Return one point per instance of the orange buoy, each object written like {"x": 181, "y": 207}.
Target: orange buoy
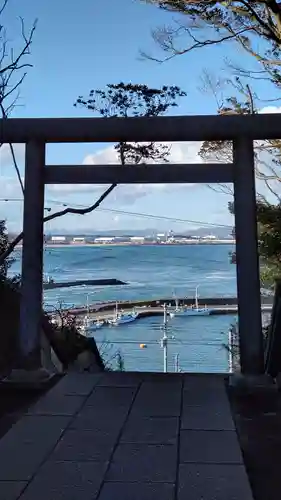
{"x": 143, "y": 346}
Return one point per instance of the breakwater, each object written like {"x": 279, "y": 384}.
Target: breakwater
{"x": 220, "y": 305}
{"x": 68, "y": 284}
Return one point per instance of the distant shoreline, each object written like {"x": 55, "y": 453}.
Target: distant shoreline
{"x": 128, "y": 244}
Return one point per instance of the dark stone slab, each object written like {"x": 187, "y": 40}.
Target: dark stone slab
{"x": 76, "y": 384}
{"x": 204, "y": 383}
{"x": 204, "y": 390}
{"x": 208, "y": 380}
{"x": 144, "y": 463}
{"x": 133, "y": 379}
{"x": 66, "y": 481}
{"x": 76, "y": 445}
{"x": 162, "y": 378}
{"x": 213, "y": 482}
{"x": 33, "y": 428}
{"x": 11, "y": 490}
{"x": 111, "y": 398}
{"x": 216, "y": 418}
{"x": 137, "y": 491}
{"x": 22, "y": 463}
{"x": 27, "y": 445}
{"x": 164, "y": 385}
{"x": 151, "y": 430}
{"x": 219, "y": 447}
{"x": 120, "y": 379}
{"x": 158, "y": 400}
{"x": 157, "y": 407}
{"x": 92, "y": 418}
{"x": 56, "y": 404}
{"x": 205, "y": 397}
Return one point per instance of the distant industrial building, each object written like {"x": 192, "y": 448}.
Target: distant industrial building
{"x": 58, "y": 239}
{"x": 78, "y": 240}
{"x": 105, "y": 239}
{"x": 161, "y": 237}
{"x": 209, "y": 237}
{"x": 137, "y": 239}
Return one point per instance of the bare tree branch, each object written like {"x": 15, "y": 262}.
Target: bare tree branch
{"x": 55, "y": 215}
{"x": 16, "y": 167}
{"x": 267, "y": 152}
{"x": 165, "y": 39}
{"x": 13, "y": 153}
{"x": 121, "y": 99}
{"x": 10, "y": 67}
{"x": 253, "y": 25}
{"x": 14, "y": 64}
{"x": 3, "y": 7}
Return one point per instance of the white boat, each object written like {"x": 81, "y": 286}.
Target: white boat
{"x": 193, "y": 310}
{"x": 121, "y": 317}
{"x": 90, "y": 325}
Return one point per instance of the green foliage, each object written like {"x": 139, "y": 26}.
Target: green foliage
{"x": 269, "y": 234}
{"x": 269, "y": 223}
{"x": 231, "y": 207}
{"x": 4, "y": 242}
{"x": 256, "y": 27}
{"x": 113, "y": 360}
{"x": 268, "y": 171}
{"x": 133, "y": 100}
{"x": 120, "y": 362}
{"x": 269, "y": 273}
{"x": 240, "y": 104}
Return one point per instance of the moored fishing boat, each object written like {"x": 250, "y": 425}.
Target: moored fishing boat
{"x": 121, "y": 317}
{"x": 193, "y": 310}
{"x": 89, "y": 326}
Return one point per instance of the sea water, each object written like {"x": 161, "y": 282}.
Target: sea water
{"x": 151, "y": 272}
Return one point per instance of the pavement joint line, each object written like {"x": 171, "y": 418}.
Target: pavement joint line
{"x": 61, "y": 435}
{"x": 178, "y": 441}
{"x": 118, "y": 438}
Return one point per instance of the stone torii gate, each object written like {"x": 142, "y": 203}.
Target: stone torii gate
{"x": 242, "y": 130}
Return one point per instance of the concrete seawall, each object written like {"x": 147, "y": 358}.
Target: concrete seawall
{"x": 146, "y": 312}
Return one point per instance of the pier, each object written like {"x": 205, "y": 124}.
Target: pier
{"x": 144, "y": 312}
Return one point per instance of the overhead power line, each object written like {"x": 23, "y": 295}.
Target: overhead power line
{"x": 131, "y": 214}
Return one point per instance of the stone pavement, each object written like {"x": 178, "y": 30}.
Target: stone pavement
{"x": 127, "y": 436}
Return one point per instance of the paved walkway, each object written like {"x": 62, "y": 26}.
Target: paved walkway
{"x": 127, "y": 436}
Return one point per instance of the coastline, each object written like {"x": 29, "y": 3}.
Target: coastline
{"x": 125, "y": 244}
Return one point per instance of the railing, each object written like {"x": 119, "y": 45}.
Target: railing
{"x": 242, "y": 130}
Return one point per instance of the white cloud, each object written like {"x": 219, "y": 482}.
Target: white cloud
{"x": 9, "y": 183}
{"x": 9, "y": 187}
{"x": 73, "y": 188}
{"x": 106, "y": 156}
{"x": 181, "y": 152}
{"x": 6, "y": 157}
{"x": 270, "y": 109}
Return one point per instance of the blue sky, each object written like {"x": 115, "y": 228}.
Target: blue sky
{"x": 87, "y": 44}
